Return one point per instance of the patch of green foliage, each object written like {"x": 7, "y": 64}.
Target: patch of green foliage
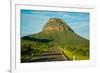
{"x": 31, "y": 49}
{"x": 76, "y": 53}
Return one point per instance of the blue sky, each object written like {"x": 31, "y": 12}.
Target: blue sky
{"x": 32, "y": 21}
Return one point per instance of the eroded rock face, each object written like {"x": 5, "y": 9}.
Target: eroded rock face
{"x": 56, "y": 24}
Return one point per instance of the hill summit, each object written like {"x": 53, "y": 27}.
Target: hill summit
{"x": 56, "y": 24}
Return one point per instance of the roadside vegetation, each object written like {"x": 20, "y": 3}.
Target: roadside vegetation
{"x": 76, "y": 53}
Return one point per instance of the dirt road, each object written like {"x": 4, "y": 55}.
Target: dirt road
{"x": 53, "y": 54}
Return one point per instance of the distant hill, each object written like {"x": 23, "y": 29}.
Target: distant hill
{"x": 59, "y": 33}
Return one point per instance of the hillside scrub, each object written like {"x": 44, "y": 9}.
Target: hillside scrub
{"x": 76, "y": 53}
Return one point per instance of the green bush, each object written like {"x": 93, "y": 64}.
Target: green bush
{"x": 76, "y": 53}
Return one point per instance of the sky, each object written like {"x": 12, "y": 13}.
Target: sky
{"x": 32, "y": 21}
